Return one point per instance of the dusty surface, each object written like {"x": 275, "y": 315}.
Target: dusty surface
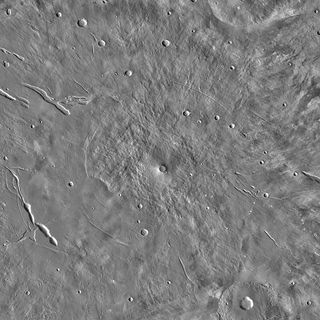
{"x": 160, "y": 160}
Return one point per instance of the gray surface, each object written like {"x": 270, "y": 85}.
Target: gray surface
{"x": 159, "y": 160}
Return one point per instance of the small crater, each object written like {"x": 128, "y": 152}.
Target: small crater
{"x": 144, "y": 232}
{"x": 130, "y": 299}
{"x": 166, "y": 43}
{"x": 128, "y": 73}
{"x": 246, "y": 303}
{"x": 266, "y": 195}
{"x": 186, "y": 113}
{"x": 82, "y": 23}
{"x": 101, "y": 43}
{"x": 59, "y": 14}
{"x": 163, "y": 168}
{"x": 70, "y": 184}
{"x": 217, "y": 117}
{"x": 232, "y": 126}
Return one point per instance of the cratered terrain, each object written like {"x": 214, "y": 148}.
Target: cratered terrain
{"x": 160, "y": 159}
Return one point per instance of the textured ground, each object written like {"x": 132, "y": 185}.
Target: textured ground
{"x": 160, "y": 160}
